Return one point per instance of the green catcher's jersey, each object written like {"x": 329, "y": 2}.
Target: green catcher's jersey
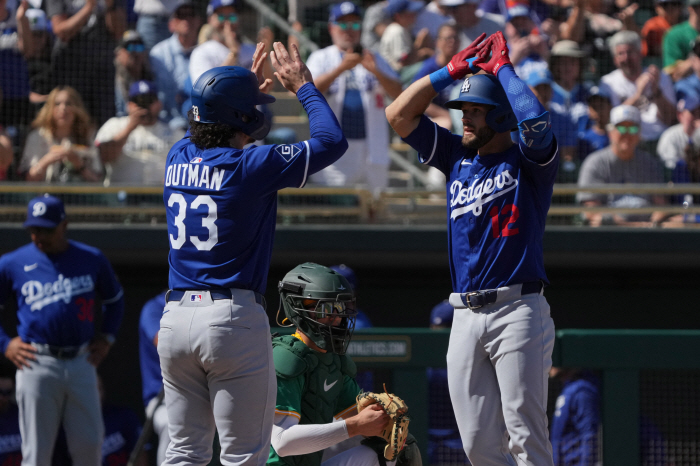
{"x": 313, "y": 387}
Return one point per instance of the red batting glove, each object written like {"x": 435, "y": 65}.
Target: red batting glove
{"x": 497, "y": 45}
{"x": 458, "y": 67}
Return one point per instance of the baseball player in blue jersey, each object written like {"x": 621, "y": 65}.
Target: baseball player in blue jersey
{"x": 498, "y": 195}
{"x": 54, "y": 281}
{"x": 151, "y": 378}
{"x": 221, "y": 203}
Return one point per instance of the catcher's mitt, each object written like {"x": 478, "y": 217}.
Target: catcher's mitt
{"x": 396, "y": 430}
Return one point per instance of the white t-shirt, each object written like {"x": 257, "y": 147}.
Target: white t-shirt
{"x": 142, "y": 160}
{"x": 672, "y": 144}
{"x": 395, "y": 45}
{"x": 39, "y": 143}
{"x": 620, "y": 88}
{"x": 212, "y": 53}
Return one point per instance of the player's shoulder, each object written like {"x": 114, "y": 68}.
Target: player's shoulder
{"x": 291, "y": 356}
{"x": 15, "y": 257}
{"x": 347, "y": 366}
{"x": 76, "y": 247}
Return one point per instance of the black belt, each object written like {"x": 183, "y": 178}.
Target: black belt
{"x": 217, "y": 293}
{"x": 478, "y": 299}
{"x": 59, "y": 352}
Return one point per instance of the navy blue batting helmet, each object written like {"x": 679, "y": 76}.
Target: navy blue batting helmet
{"x": 229, "y": 94}
{"x": 485, "y": 89}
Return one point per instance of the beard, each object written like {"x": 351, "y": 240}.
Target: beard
{"x": 479, "y": 139}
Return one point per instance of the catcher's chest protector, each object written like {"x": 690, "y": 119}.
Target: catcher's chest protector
{"x": 323, "y": 385}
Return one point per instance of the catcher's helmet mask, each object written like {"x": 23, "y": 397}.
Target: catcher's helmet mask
{"x": 326, "y": 293}
{"x": 230, "y": 94}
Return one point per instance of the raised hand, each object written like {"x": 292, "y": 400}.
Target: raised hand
{"x": 290, "y": 70}
{"x": 459, "y": 67}
{"x": 497, "y": 46}
{"x": 258, "y": 64}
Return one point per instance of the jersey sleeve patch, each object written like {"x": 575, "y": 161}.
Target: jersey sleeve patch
{"x": 287, "y": 151}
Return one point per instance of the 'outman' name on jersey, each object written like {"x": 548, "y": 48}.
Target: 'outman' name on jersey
{"x": 189, "y": 174}
{"x": 37, "y": 294}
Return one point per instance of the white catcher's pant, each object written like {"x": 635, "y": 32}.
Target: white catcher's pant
{"x": 498, "y": 363}
{"x": 216, "y": 359}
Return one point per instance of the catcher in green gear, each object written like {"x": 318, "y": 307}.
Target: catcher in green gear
{"x": 315, "y": 378}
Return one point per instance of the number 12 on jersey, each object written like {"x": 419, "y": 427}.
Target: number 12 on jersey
{"x": 511, "y": 213}
{"x": 208, "y": 222}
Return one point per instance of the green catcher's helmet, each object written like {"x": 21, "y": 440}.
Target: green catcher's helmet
{"x": 310, "y": 292}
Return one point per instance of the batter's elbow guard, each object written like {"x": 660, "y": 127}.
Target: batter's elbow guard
{"x": 536, "y": 133}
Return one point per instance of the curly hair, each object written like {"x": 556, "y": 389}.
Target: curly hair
{"x": 208, "y": 135}
{"x": 82, "y": 124}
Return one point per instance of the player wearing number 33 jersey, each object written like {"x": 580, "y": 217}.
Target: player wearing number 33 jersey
{"x": 498, "y": 196}
{"x": 221, "y": 202}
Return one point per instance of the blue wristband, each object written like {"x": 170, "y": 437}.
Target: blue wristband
{"x": 440, "y": 79}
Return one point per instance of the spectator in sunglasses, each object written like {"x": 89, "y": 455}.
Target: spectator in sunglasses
{"x": 621, "y": 162}
{"x": 134, "y": 147}
{"x": 131, "y": 64}
{"x": 226, "y": 47}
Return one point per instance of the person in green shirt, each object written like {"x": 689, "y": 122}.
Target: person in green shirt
{"x": 315, "y": 378}
{"x": 678, "y": 42}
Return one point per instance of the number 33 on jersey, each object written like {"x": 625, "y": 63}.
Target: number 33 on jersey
{"x": 209, "y": 195}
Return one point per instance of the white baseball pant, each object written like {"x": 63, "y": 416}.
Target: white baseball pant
{"x": 498, "y": 363}
{"x": 218, "y": 373}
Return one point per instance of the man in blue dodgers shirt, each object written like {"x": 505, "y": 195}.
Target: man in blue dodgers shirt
{"x": 221, "y": 203}
{"x": 499, "y": 193}
{"x": 54, "y": 281}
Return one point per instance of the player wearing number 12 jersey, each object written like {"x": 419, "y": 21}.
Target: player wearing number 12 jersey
{"x": 498, "y": 196}
{"x": 221, "y": 202}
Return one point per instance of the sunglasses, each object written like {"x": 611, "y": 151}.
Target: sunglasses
{"x": 230, "y": 18}
{"x": 351, "y": 26}
{"x": 135, "y": 47}
{"x": 627, "y": 129}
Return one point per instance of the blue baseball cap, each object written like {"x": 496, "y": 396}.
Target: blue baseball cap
{"x": 346, "y": 272}
{"x": 214, "y": 4}
{"x": 688, "y": 102}
{"x": 598, "y": 91}
{"x": 399, "y": 6}
{"x": 45, "y": 212}
{"x": 442, "y": 314}
{"x": 343, "y": 9}
{"x": 518, "y": 10}
{"x": 142, "y": 88}
{"x": 538, "y": 76}
{"x": 37, "y": 19}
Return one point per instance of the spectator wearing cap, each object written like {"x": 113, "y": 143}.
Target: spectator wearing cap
{"x": 87, "y": 32}
{"x": 153, "y": 19}
{"x": 540, "y": 82}
{"x": 446, "y": 46}
{"x": 668, "y": 14}
{"x": 170, "y": 61}
{"x": 679, "y": 40}
{"x": 471, "y": 25}
{"x": 529, "y": 50}
{"x": 60, "y": 147}
{"x": 131, "y": 65}
{"x": 134, "y": 147}
{"x": 226, "y": 47}
{"x": 568, "y": 92}
{"x": 397, "y": 46}
{"x": 649, "y": 89}
{"x": 593, "y": 133}
{"x": 621, "y": 162}
{"x": 675, "y": 140}
{"x": 35, "y": 43}
{"x": 356, "y": 83}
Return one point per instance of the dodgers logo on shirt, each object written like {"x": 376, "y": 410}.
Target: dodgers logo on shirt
{"x": 287, "y": 151}
{"x": 196, "y": 298}
{"x": 478, "y": 194}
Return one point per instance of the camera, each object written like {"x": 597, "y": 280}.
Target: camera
{"x": 357, "y": 49}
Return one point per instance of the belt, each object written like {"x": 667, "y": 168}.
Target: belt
{"x": 215, "y": 293}
{"x": 60, "y": 352}
{"x": 478, "y": 299}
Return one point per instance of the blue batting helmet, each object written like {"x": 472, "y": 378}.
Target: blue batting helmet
{"x": 485, "y": 89}
{"x": 229, "y": 94}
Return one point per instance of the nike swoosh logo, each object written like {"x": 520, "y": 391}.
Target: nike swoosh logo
{"x": 464, "y": 162}
{"x": 327, "y": 387}
{"x": 28, "y": 268}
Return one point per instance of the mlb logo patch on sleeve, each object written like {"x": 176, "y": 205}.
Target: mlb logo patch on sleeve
{"x": 196, "y": 298}
{"x": 287, "y": 151}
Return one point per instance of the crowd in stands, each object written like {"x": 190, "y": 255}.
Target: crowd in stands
{"x": 98, "y": 90}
